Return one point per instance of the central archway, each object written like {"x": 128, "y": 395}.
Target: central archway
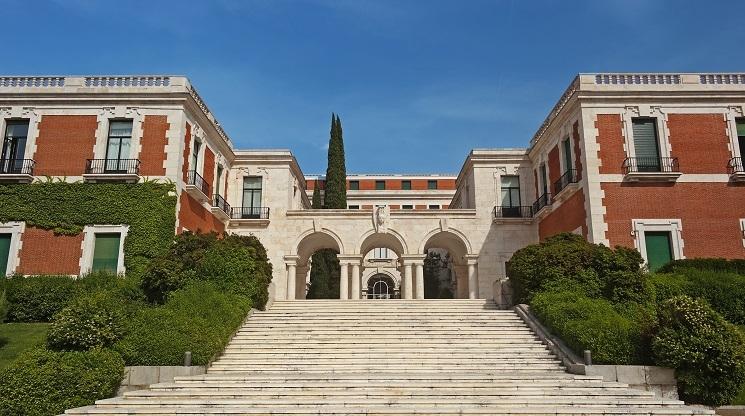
{"x": 454, "y": 276}
{"x": 381, "y": 254}
{"x": 381, "y": 286}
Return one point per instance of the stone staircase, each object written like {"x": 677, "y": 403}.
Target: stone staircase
{"x": 387, "y": 357}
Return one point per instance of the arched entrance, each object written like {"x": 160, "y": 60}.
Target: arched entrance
{"x": 381, "y": 286}
{"x": 449, "y": 270}
{"x": 319, "y": 250}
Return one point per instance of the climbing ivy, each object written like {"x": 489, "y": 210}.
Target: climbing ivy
{"x": 149, "y": 208}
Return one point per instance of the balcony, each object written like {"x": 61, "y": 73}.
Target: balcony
{"x": 541, "y": 205}
{"x": 197, "y": 187}
{"x": 16, "y": 170}
{"x": 736, "y": 170}
{"x": 249, "y": 215}
{"x": 651, "y": 169}
{"x": 112, "y": 170}
{"x": 520, "y": 214}
{"x": 566, "y": 185}
{"x": 220, "y": 208}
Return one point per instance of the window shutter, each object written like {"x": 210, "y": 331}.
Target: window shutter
{"x": 659, "y": 249}
{"x": 106, "y": 252}
{"x": 645, "y": 138}
{"x": 740, "y": 127}
{"x": 4, "y": 252}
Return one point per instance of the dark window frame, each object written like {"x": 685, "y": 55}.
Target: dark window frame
{"x": 406, "y": 185}
{"x": 432, "y": 184}
{"x": 509, "y": 190}
{"x": 380, "y": 185}
{"x": 354, "y": 185}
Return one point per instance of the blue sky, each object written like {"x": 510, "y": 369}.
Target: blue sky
{"x": 417, "y": 83}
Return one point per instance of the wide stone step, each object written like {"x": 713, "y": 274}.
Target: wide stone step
{"x": 501, "y": 385}
{"x": 486, "y": 375}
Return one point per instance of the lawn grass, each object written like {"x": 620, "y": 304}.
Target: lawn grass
{"x": 18, "y": 338}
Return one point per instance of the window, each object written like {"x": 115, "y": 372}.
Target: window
{"x": 741, "y": 135}
{"x": 5, "y": 240}
{"x": 566, "y": 144}
{"x": 106, "y": 252}
{"x": 431, "y": 184}
{"x": 354, "y": 185}
{"x": 646, "y": 145}
{"x": 252, "y": 193}
{"x": 544, "y": 180}
{"x": 658, "y": 241}
{"x": 119, "y": 145}
{"x": 354, "y": 207}
{"x": 433, "y": 207}
{"x": 14, "y": 146}
{"x": 195, "y": 155}
{"x": 219, "y": 179}
{"x": 407, "y": 206}
{"x": 380, "y": 185}
{"x": 510, "y": 191}
{"x": 406, "y": 185}
{"x": 380, "y": 253}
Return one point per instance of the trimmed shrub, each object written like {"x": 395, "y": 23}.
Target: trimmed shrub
{"x": 706, "y": 264}
{"x": 707, "y": 352}
{"x": 38, "y": 298}
{"x": 198, "y": 318}
{"x": 163, "y": 276}
{"x": 569, "y": 262}
{"x": 593, "y": 324}
{"x": 93, "y": 320}
{"x": 43, "y": 382}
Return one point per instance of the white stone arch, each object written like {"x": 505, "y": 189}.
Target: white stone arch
{"x": 391, "y": 239}
{"x": 374, "y": 272}
{"x": 452, "y": 237}
{"x": 313, "y": 240}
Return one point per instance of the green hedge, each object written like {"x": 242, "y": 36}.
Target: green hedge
{"x": 725, "y": 291}
{"x": 569, "y": 262}
{"x": 707, "y": 352}
{"x": 706, "y": 264}
{"x": 92, "y": 320}
{"x": 43, "y": 382}
{"x": 148, "y": 208}
{"x": 594, "y": 324}
{"x": 198, "y": 318}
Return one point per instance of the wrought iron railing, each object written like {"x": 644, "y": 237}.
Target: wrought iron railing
{"x": 735, "y": 165}
{"x": 249, "y": 213}
{"x": 513, "y": 212}
{"x": 113, "y": 166}
{"x": 541, "y": 202}
{"x": 650, "y": 164}
{"x": 220, "y": 202}
{"x": 570, "y": 176}
{"x": 17, "y": 166}
{"x": 195, "y": 179}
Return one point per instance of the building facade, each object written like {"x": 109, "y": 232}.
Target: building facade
{"x": 651, "y": 161}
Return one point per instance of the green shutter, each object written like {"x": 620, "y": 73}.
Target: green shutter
{"x": 645, "y": 144}
{"x": 567, "y": 155}
{"x": 741, "y": 126}
{"x": 659, "y": 249}
{"x": 4, "y": 252}
{"x": 106, "y": 252}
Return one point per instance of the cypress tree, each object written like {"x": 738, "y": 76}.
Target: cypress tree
{"x": 336, "y": 170}
{"x": 316, "y": 201}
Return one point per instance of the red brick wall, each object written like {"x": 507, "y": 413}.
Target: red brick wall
{"x": 709, "y": 212}
{"x": 195, "y": 217}
{"x": 64, "y": 144}
{"x": 209, "y": 169}
{"x": 153, "y": 145}
{"x": 43, "y": 252}
{"x": 577, "y": 150}
{"x": 187, "y": 152}
{"x": 566, "y": 218}
{"x": 700, "y": 142}
{"x": 610, "y": 140}
{"x": 554, "y": 168}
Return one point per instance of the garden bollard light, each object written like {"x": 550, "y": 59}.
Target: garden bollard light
{"x": 187, "y": 359}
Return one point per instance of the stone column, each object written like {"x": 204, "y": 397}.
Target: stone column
{"x": 291, "y": 263}
{"x": 473, "y": 280}
{"x": 356, "y": 280}
{"x": 344, "y": 281}
{"x": 407, "y": 281}
{"x": 419, "y": 275}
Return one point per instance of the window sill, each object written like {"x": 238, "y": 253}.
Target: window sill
{"x": 566, "y": 192}
{"x": 16, "y": 178}
{"x": 512, "y": 220}
{"x": 652, "y": 176}
{"x": 543, "y": 212}
{"x": 249, "y": 222}
{"x": 220, "y": 214}
{"x": 111, "y": 177}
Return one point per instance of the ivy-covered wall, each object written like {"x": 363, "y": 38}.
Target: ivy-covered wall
{"x": 148, "y": 208}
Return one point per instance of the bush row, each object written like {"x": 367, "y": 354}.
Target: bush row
{"x": 705, "y": 264}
